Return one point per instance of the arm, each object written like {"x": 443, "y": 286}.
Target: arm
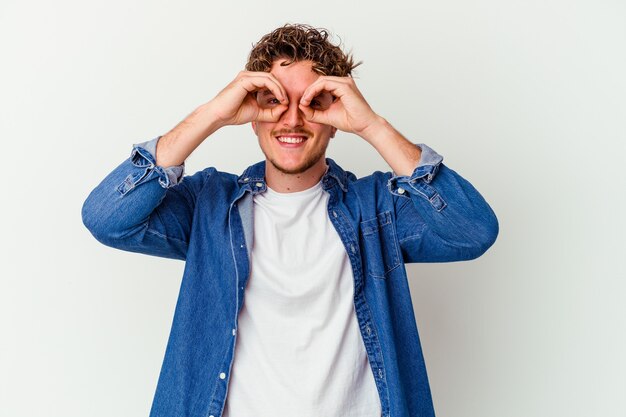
{"x": 140, "y": 206}
{"x": 234, "y": 105}
{"x": 351, "y": 113}
{"x": 440, "y": 215}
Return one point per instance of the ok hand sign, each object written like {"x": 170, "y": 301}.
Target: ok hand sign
{"x": 336, "y": 101}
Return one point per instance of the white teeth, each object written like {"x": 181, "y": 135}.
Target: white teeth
{"x": 290, "y": 139}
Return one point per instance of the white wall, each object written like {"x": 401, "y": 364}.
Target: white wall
{"x": 526, "y": 99}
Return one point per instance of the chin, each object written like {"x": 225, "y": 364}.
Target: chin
{"x": 293, "y": 169}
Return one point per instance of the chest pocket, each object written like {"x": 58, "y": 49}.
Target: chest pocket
{"x": 382, "y": 254}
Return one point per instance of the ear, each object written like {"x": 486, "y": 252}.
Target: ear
{"x": 254, "y": 128}
{"x": 332, "y": 132}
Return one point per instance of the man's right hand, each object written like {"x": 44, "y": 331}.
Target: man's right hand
{"x": 251, "y": 96}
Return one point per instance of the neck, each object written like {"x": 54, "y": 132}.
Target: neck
{"x": 290, "y": 183}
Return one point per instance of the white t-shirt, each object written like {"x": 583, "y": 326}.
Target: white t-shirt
{"x": 299, "y": 351}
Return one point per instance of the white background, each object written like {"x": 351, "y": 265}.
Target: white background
{"x": 526, "y": 99}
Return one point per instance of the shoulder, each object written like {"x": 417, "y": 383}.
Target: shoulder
{"x": 363, "y": 197}
{"x": 209, "y": 179}
{"x": 348, "y": 181}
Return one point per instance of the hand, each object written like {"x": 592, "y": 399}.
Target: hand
{"x": 237, "y": 103}
{"x": 345, "y": 109}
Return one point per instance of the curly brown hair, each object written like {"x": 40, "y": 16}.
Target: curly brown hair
{"x": 298, "y": 42}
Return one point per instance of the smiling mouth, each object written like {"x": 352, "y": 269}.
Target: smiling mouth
{"x": 293, "y": 139}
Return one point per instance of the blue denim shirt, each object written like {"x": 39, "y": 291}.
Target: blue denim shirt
{"x": 384, "y": 221}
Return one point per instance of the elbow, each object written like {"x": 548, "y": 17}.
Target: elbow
{"x": 93, "y": 219}
{"x": 109, "y": 224}
{"x": 99, "y": 222}
{"x": 486, "y": 234}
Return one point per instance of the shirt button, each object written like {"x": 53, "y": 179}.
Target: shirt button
{"x": 244, "y": 180}
{"x": 400, "y": 190}
{"x": 222, "y": 375}
{"x": 352, "y": 248}
{"x": 334, "y": 213}
{"x": 234, "y": 331}
{"x": 259, "y": 184}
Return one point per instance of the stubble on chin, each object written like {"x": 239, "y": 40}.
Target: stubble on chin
{"x": 305, "y": 166}
{"x": 309, "y": 161}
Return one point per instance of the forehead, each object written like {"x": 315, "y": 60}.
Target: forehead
{"x": 295, "y": 77}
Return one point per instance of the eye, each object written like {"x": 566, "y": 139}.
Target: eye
{"x": 265, "y": 99}
{"x": 322, "y": 101}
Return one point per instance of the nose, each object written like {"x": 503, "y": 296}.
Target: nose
{"x": 292, "y": 117}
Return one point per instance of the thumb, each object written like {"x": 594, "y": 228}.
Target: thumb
{"x": 315, "y": 116}
{"x": 271, "y": 114}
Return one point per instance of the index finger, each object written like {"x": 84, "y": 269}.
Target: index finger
{"x": 333, "y": 85}
{"x": 259, "y": 80}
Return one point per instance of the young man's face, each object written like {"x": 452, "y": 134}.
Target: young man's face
{"x": 293, "y": 145}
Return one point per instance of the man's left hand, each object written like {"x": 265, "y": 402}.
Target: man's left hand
{"x": 345, "y": 108}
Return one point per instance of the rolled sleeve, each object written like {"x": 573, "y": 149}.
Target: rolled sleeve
{"x": 440, "y": 216}
{"x": 137, "y": 208}
{"x": 418, "y": 182}
{"x": 145, "y": 153}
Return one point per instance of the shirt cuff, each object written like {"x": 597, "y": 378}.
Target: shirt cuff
{"x": 426, "y": 168}
{"x": 418, "y": 182}
{"x": 174, "y": 173}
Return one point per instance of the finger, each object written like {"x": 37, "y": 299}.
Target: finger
{"x": 283, "y": 93}
{"x": 315, "y": 116}
{"x": 270, "y": 114}
{"x": 269, "y": 75}
{"x": 282, "y": 89}
{"x": 335, "y": 85}
{"x": 255, "y": 83}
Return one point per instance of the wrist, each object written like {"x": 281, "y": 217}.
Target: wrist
{"x": 379, "y": 128}
{"x": 175, "y": 146}
{"x": 208, "y": 117}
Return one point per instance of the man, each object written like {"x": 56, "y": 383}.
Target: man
{"x": 294, "y": 300}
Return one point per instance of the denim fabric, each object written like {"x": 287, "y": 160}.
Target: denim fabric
{"x": 384, "y": 221}
{"x": 174, "y": 173}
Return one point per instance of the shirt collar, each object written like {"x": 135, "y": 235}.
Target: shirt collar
{"x": 254, "y": 176}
